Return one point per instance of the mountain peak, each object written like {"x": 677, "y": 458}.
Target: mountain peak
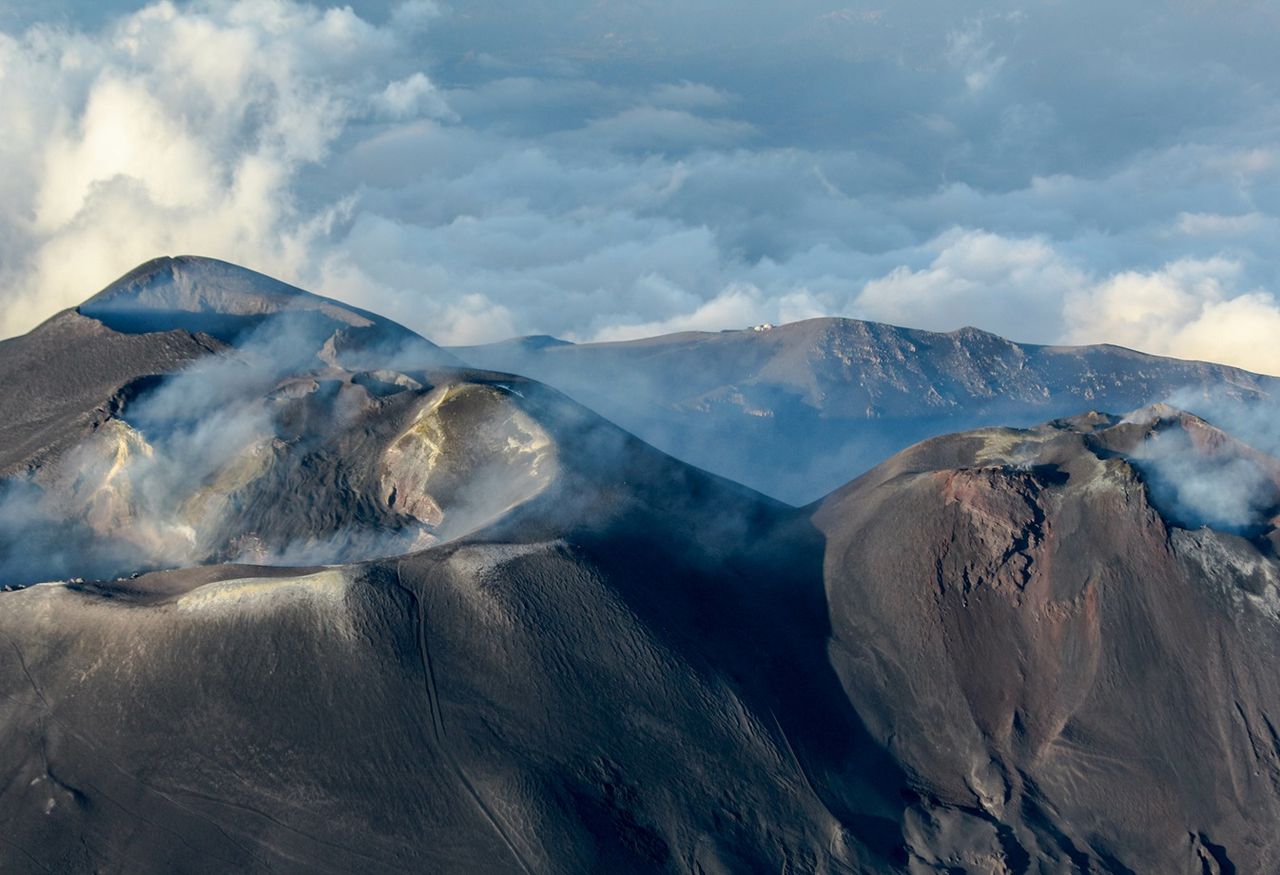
{"x": 195, "y": 283}
{"x": 216, "y": 297}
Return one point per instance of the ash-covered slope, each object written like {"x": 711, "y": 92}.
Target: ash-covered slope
{"x": 604, "y": 660}
{"x": 136, "y": 438}
{"x": 1075, "y": 672}
{"x": 61, "y": 378}
{"x": 274, "y": 451}
{"x": 796, "y": 410}
{"x": 208, "y": 296}
{"x": 527, "y": 641}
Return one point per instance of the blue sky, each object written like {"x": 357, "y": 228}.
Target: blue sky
{"x": 1058, "y": 172}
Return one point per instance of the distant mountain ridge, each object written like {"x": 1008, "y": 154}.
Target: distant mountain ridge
{"x": 796, "y": 410}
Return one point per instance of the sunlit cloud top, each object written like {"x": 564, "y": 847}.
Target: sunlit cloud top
{"x": 1055, "y": 172}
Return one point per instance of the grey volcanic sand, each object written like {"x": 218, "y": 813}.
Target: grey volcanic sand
{"x": 1001, "y": 651}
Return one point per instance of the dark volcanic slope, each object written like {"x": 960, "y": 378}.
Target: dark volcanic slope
{"x": 798, "y": 409}
{"x": 488, "y": 707}
{"x": 225, "y": 300}
{"x": 537, "y": 644}
{"x": 1015, "y": 664}
{"x": 61, "y": 379}
{"x": 1072, "y": 680}
{"x": 620, "y": 669}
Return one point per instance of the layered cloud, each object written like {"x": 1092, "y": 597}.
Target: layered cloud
{"x": 178, "y": 128}
{"x": 609, "y": 171}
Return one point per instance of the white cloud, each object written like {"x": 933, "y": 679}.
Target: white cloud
{"x": 414, "y": 14}
{"x": 1013, "y": 287}
{"x": 176, "y": 129}
{"x": 1189, "y": 309}
{"x": 974, "y": 55}
{"x": 496, "y": 172}
{"x": 1216, "y": 225}
{"x": 688, "y": 96}
{"x": 738, "y": 306}
{"x": 412, "y": 97}
{"x": 644, "y": 128}
{"x": 1027, "y": 290}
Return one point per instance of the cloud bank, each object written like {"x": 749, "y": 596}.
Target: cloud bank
{"x": 1067, "y": 173}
